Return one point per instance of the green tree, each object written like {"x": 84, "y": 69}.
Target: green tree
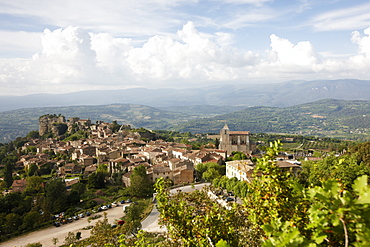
{"x": 211, "y": 174}
{"x": 31, "y": 220}
{"x": 344, "y": 169}
{"x": 133, "y": 214}
{"x": 32, "y": 169}
{"x": 8, "y": 173}
{"x": 34, "y": 134}
{"x": 12, "y": 223}
{"x": 140, "y": 185}
{"x": 34, "y": 185}
{"x": 336, "y": 218}
{"x": 216, "y": 170}
{"x": 97, "y": 180}
{"x": 56, "y": 195}
{"x": 38, "y": 244}
{"x": 31, "y": 150}
{"x": 80, "y": 187}
{"x": 192, "y": 219}
{"x": 362, "y": 153}
{"x": 73, "y": 198}
{"x": 273, "y": 195}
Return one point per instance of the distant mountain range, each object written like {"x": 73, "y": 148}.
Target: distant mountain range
{"x": 325, "y": 118}
{"x": 329, "y": 117}
{"x": 275, "y": 95}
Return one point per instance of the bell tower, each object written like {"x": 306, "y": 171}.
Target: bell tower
{"x": 224, "y": 138}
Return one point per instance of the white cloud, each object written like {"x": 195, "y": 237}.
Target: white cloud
{"x": 301, "y": 54}
{"x": 129, "y": 18}
{"x": 249, "y": 17}
{"x": 362, "y": 42}
{"x": 13, "y": 43}
{"x": 349, "y": 18}
{"x": 190, "y": 55}
{"x": 253, "y": 2}
{"x": 73, "y": 59}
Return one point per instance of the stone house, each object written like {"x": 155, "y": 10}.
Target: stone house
{"x": 70, "y": 168}
{"x": 241, "y": 169}
{"x": 119, "y": 165}
{"x": 90, "y": 169}
{"x": 179, "y": 171}
{"x": 126, "y": 179}
{"x": 183, "y": 174}
{"x": 19, "y": 185}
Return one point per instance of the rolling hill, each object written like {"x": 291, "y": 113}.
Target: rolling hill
{"x": 329, "y": 117}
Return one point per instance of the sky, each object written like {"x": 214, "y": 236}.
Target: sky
{"x": 65, "y": 46}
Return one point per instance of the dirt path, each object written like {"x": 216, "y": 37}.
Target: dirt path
{"x": 46, "y": 236}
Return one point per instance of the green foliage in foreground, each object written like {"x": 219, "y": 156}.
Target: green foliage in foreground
{"x": 277, "y": 211}
{"x": 336, "y": 218}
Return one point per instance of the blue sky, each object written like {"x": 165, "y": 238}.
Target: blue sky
{"x": 64, "y": 46}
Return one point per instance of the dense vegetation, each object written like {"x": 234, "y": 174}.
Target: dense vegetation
{"x": 324, "y": 118}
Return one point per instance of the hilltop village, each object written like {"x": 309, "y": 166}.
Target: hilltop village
{"x": 123, "y": 149}
{"x": 72, "y": 168}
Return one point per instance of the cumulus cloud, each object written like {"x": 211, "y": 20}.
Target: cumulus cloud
{"x": 302, "y": 54}
{"x": 362, "y": 42}
{"x": 73, "y": 59}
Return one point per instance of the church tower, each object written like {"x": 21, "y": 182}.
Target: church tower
{"x": 231, "y": 141}
{"x": 224, "y": 138}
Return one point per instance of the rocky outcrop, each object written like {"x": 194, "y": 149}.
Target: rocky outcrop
{"x": 51, "y": 123}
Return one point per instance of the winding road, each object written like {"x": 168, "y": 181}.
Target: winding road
{"x": 150, "y": 224}
{"x": 45, "y": 236}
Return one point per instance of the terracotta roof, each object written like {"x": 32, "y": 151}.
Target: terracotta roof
{"x": 239, "y": 132}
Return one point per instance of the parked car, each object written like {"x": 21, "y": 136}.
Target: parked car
{"x": 114, "y": 204}
{"x": 123, "y": 202}
{"x": 104, "y": 207}
{"x": 69, "y": 220}
{"x": 229, "y": 199}
{"x": 56, "y": 224}
{"x": 88, "y": 213}
{"x": 109, "y": 206}
{"x": 75, "y": 217}
{"x": 121, "y": 222}
{"x": 81, "y": 215}
{"x": 128, "y": 200}
{"x": 230, "y": 193}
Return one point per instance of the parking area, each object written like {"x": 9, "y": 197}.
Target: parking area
{"x": 45, "y": 236}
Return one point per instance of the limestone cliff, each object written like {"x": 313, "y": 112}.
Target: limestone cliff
{"x": 51, "y": 123}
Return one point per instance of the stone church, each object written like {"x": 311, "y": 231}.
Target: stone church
{"x": 234, "y": 141}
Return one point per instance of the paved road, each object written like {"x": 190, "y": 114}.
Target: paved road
{"x": 150, "y": 224}
{"x": 45, "y": 236}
